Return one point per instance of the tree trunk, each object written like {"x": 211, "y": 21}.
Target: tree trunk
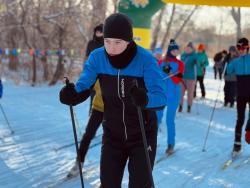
{"x": 13, "y": 62}
{"x": 59, "y": 71}
{"x": 60, "y": 67}
{"x": 185, "y": 22}
{"x": 157, "y": 29}
{"x": 34, "y": 70}
{"x": 45, "y": 68}
{"x": 236, "y": 14}
{"x": 165, "y": 37}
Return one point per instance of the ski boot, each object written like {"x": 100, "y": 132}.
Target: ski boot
{"x": 74, "y": 171}
{"x": 180, "y": 108}
{"x": 188, "y": 109}
{"x": 169, "y": 150}
{"x": 236, "y": 149}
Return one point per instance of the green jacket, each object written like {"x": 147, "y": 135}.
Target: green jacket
{"x": 189, "y": 60}
{"x": 202, "y": 63}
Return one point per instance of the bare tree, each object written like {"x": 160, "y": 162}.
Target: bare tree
{"x": 236, "y": 14}
{"x": 185, "y": 22}
{"x": 169, "y": 24}
{"x": 157, "y": 28}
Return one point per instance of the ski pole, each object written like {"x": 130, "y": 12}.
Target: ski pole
{"x": 75, "y": 137}
{"x": 172, "y": 75}
{"x": 144, "y": 140}
{"x": 213, "y": 110}
{"x": 6, "y": 119}
{"x": 71, "y": 144}
{"x": 195, "y": 74}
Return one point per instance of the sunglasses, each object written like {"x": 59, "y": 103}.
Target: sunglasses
{"x": 241, "y": 48}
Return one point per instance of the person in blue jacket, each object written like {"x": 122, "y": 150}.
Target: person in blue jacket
{"x": 118, "y": 66}
{"x": 241, "y": 68}
{"x": 173, "y": 70}
{"x": 1, "y": 89}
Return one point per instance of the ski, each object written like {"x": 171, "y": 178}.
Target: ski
{"x": 64, "y": 180}
{"x": 69, "y": 145}
{"x": 162, "y": 158}
{"x": 229, "y": 162}
{"x": 242, "y": 163}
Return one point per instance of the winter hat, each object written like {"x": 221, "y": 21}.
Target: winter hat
{"x": 118, "y": 26}
{"x": 232, "y": 49}
{"x": 243, "y": 43}
{"x": 98, "y": 28}
{"x": 201, "y": 47}
{"x": 172, "y": 46}
{"x": 190, "y": 44}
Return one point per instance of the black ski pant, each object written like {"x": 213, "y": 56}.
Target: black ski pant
{"x": 229, "y": 92}
{"x": 92, "y": 95}
{"x": 241, "y": 108}
{"x": 218, "y": 71}
{"x": 114, "y": 159}
{"x": 94, "y": 123}
{"x": 200, "y": 79}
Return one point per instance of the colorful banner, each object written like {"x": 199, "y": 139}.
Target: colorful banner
{"x": 230, "y": 3}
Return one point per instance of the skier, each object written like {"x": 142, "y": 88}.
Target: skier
{"x": 189, "y": 76}
{"x": 159, "y": 57}
{"x": 202, "y": 63}
{"x": 118, "y": 66}
{"x": 173, "y": 70}
{"x": 230, "y": 79}
{"x": 218, "y": 63}
{"x": 241, "y": 67}
{"x": 96, "y": 42}
{"x": 1, "y": 88}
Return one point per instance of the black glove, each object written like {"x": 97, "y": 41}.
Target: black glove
{"x": 167, "y": 69}
{"x": 69, "y": 96}
{"x": 139, "y": 96}
{"x": 179, "y": 75}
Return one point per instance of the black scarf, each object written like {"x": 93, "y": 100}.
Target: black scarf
{"x": 122, "y": 60}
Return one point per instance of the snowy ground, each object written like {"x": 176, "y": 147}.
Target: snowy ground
{"x": 29, "y": 157}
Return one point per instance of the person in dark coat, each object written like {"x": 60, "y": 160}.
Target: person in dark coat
{"x": 96, "y": 42}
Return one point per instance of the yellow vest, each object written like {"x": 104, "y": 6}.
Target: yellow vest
{"x": 97, "y": 103}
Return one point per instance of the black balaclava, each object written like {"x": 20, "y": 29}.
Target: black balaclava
{"x": 98, "y": 28}
{"x": 119, "y": 26}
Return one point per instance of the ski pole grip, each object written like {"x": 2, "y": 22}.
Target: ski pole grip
{"x": 66, "y": 81}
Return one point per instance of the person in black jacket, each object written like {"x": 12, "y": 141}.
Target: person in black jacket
{"x": 125, "y": 71}
{"x": 93, "y": 44}
{"x": 218, "y": 63}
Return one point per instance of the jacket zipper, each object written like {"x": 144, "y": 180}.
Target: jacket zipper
{"x": 123, "y": 106}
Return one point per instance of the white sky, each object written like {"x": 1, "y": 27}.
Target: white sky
{"x": 220, "y": 17}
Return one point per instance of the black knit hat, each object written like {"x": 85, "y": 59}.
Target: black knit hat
{"x": 98, "y": 28}
{"x": 118, "y": 26}
{"x": 243, "y": 42}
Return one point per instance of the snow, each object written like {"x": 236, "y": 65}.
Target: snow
{"x": 29, "y": 157}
